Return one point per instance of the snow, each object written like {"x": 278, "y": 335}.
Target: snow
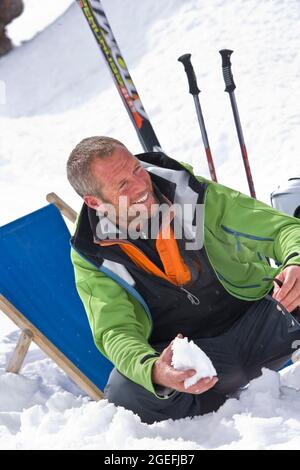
{"x": 187, "y": 355}
{"x": 58, "y": 91}
{"x": 43, "y": 409}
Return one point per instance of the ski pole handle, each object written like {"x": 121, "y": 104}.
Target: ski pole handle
{"x": 226, "y": 67}
{"x": 185, "y": 59}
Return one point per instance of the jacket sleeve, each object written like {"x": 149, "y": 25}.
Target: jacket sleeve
{"x": 112, "y": 317}
{"x": 282, "y": 228}
{"x": 260, "y": 226}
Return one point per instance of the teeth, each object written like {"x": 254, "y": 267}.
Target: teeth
{"x": 143, "y": 199}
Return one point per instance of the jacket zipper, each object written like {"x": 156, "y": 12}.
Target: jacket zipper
{"x": 191, "y": 297}
{"x": 221, "y": 277}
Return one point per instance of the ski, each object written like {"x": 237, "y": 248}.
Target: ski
{"x": 100, "y": 27}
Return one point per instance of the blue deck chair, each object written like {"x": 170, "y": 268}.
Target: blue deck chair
{"x": 37, "y": 292}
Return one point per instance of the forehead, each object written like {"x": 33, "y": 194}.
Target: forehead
{"x": 114, "y": 167}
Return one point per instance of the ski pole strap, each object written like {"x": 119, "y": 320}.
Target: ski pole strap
{"x": 292, "y": 322}
{"x": 226, "y": 67}
{"x": 185, "y": 59}
{"x": 278, "y": 282}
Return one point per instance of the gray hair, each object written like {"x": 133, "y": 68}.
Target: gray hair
{"x": 79, "y": 171}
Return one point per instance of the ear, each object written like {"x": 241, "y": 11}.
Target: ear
{"x": 94, "y": 203}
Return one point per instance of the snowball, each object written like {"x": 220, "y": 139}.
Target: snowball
{"x": 187, "y": 355}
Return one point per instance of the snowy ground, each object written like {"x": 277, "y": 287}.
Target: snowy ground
{"x": 58, "y": 91}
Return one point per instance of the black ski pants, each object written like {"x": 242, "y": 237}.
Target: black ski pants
{"x": 262, "y": 337}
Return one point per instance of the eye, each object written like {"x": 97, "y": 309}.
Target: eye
{"x": 137, "y": 169}
{"x": 122, "y": 185}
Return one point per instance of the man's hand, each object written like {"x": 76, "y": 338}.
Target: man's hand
{"x": 289, "y": 294}
{"x": 164, "y": 374}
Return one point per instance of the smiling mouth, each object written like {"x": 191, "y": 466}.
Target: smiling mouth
{"x": 142, "y": 199}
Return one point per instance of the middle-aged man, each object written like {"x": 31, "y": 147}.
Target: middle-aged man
{"x": 143, "y": 281}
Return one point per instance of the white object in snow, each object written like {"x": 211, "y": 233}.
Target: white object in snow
{"x": 286, "y": 198}
{"x": 187, "y": 355}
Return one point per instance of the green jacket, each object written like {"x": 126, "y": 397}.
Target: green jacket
{"x": 240, "y": 233}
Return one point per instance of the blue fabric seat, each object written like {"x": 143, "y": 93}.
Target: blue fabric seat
{"x": 36, "y": 276}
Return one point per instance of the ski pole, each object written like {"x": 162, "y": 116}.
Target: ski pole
{"x": 194, "y": 90}
{"x": 230, "y": 87}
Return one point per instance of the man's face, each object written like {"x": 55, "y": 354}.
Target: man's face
{"x": 121, "y": 175}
